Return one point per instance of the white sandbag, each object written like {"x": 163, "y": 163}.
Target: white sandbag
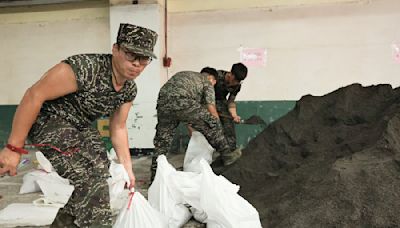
{"x": 225, "y": 184}
{"x": 29, "y": 184}
{"x": 212, "y": 224}
{"x": 56, "y": 192}
{"x": 137, "y": 213}
{"x": 43, "y": 162}
{"x": 163, "y": 197}
{"x": 199, "y": 214}
{"x": 222, "y": 204}
{"x": 44, "y": 202}
{"x": 188, "y": 184}
{"x": 186, "y": 187}
{"x": 116, "y": 184}
{"x": 112, "y": 155}
{"x": 22, "y": 214}
{"x": 198, "y": 148}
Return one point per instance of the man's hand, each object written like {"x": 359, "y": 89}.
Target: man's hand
{"x": 236, "y": 119}
{"x": 9, "y": 161}
{"x": 132, "y": 180}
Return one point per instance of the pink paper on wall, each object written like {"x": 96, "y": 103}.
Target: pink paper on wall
{"x": 253, "y": 56}
{"x": 396, "y": 52}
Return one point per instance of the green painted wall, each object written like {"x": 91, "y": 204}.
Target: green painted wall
{"x": 6, "y": 117}
{"x": 269, "y": 111}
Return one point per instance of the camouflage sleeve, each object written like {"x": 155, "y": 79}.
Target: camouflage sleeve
{"x": 232, "y": 95}
{"x": 236, "y": 91}
{"x": 83, "y": 67}
{"x": 131, "y": 92}
{"x": 209, "y": 93}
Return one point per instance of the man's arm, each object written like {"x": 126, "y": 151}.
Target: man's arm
{"x": 213, "y": 110}
{"x": 58, "y": 81}
{"x": 119, "y": 139}
{"x": 232, "y": 108}
{"x": 209, "y": 98}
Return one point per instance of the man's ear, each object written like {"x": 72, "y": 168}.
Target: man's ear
{"x": 211, "y": 79}
{"x": 115, "y": 48}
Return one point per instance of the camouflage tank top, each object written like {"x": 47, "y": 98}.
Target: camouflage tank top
{"x": 95, "y": 97}
{"x": 187, "y": 85}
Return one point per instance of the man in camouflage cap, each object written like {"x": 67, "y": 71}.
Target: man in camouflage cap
{"x": 58, "y": 111}
{"x": 189, "y": 97}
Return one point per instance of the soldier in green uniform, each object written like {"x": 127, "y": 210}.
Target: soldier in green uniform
{"x": 189, "y": 97}
{"x": 227, "y": 87}
{"x": 59, "y": 109}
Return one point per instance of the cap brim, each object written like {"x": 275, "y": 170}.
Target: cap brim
{"x": 140, "y": 51}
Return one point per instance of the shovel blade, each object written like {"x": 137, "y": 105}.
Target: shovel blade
{"x": 254, "y": 119}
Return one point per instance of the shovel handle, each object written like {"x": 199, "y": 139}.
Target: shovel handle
{"x": 225, "y": 116}
{"x": 228, "y": 117}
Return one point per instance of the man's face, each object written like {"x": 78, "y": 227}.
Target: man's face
{"x": 129, "y": 65}
{"x": 231, "y": 81}
{"x": 212, "y": 80}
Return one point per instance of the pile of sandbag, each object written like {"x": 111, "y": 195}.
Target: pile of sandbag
{"x": 175, "y": 196}
{"x": 56, "y": 192}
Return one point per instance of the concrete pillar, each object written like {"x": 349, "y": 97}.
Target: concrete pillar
{"x": 142, "y": 117}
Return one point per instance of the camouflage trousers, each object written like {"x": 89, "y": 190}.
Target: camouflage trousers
{"x": 170, "y": 112}
{"x": 86, "y": 169}
{"x": 227, "y": 124}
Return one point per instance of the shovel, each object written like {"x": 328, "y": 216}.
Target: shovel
{"x": 253, "y": 120}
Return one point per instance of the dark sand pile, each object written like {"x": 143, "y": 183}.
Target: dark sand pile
{"x": 333, "y": 161}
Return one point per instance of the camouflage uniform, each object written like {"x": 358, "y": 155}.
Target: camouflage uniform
{"x": 221, "y": 92}
{"x": 66, "y": 123}
{"x": 183, "y": 99}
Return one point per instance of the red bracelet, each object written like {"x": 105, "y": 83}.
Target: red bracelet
{"x": 19, "y": 150}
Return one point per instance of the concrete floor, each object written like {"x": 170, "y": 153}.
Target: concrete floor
{"x": 9, "y": 186}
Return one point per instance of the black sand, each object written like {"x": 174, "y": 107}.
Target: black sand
{"x": 333, "y": 161}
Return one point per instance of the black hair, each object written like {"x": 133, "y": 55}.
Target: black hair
{"x": 239, "y": 70}
{"x": 210, "y": 71}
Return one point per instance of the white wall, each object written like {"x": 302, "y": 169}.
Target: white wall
{"x": 310, "y": 50}
{"x": 204, "y": 5}
{"x": 32, "y": 42}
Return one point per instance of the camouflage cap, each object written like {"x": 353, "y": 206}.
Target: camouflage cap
{"x": 137, "y": 39}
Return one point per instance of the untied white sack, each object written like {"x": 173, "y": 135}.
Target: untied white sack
{"x": 29, "y": 181}
{"x": 116, "y": 184}
{"x": 45, "y": 173}
{"x": 139, "y": 214}
{"x": 164, "y": 197}
{"x": 198, "y": 148}
{"x": 223, "y": 206}
{"x": 23, "y": 214}
{"x": 187, "y": 187}
{"x": 43, "y": 162}
{"x": 54, "y": 193}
